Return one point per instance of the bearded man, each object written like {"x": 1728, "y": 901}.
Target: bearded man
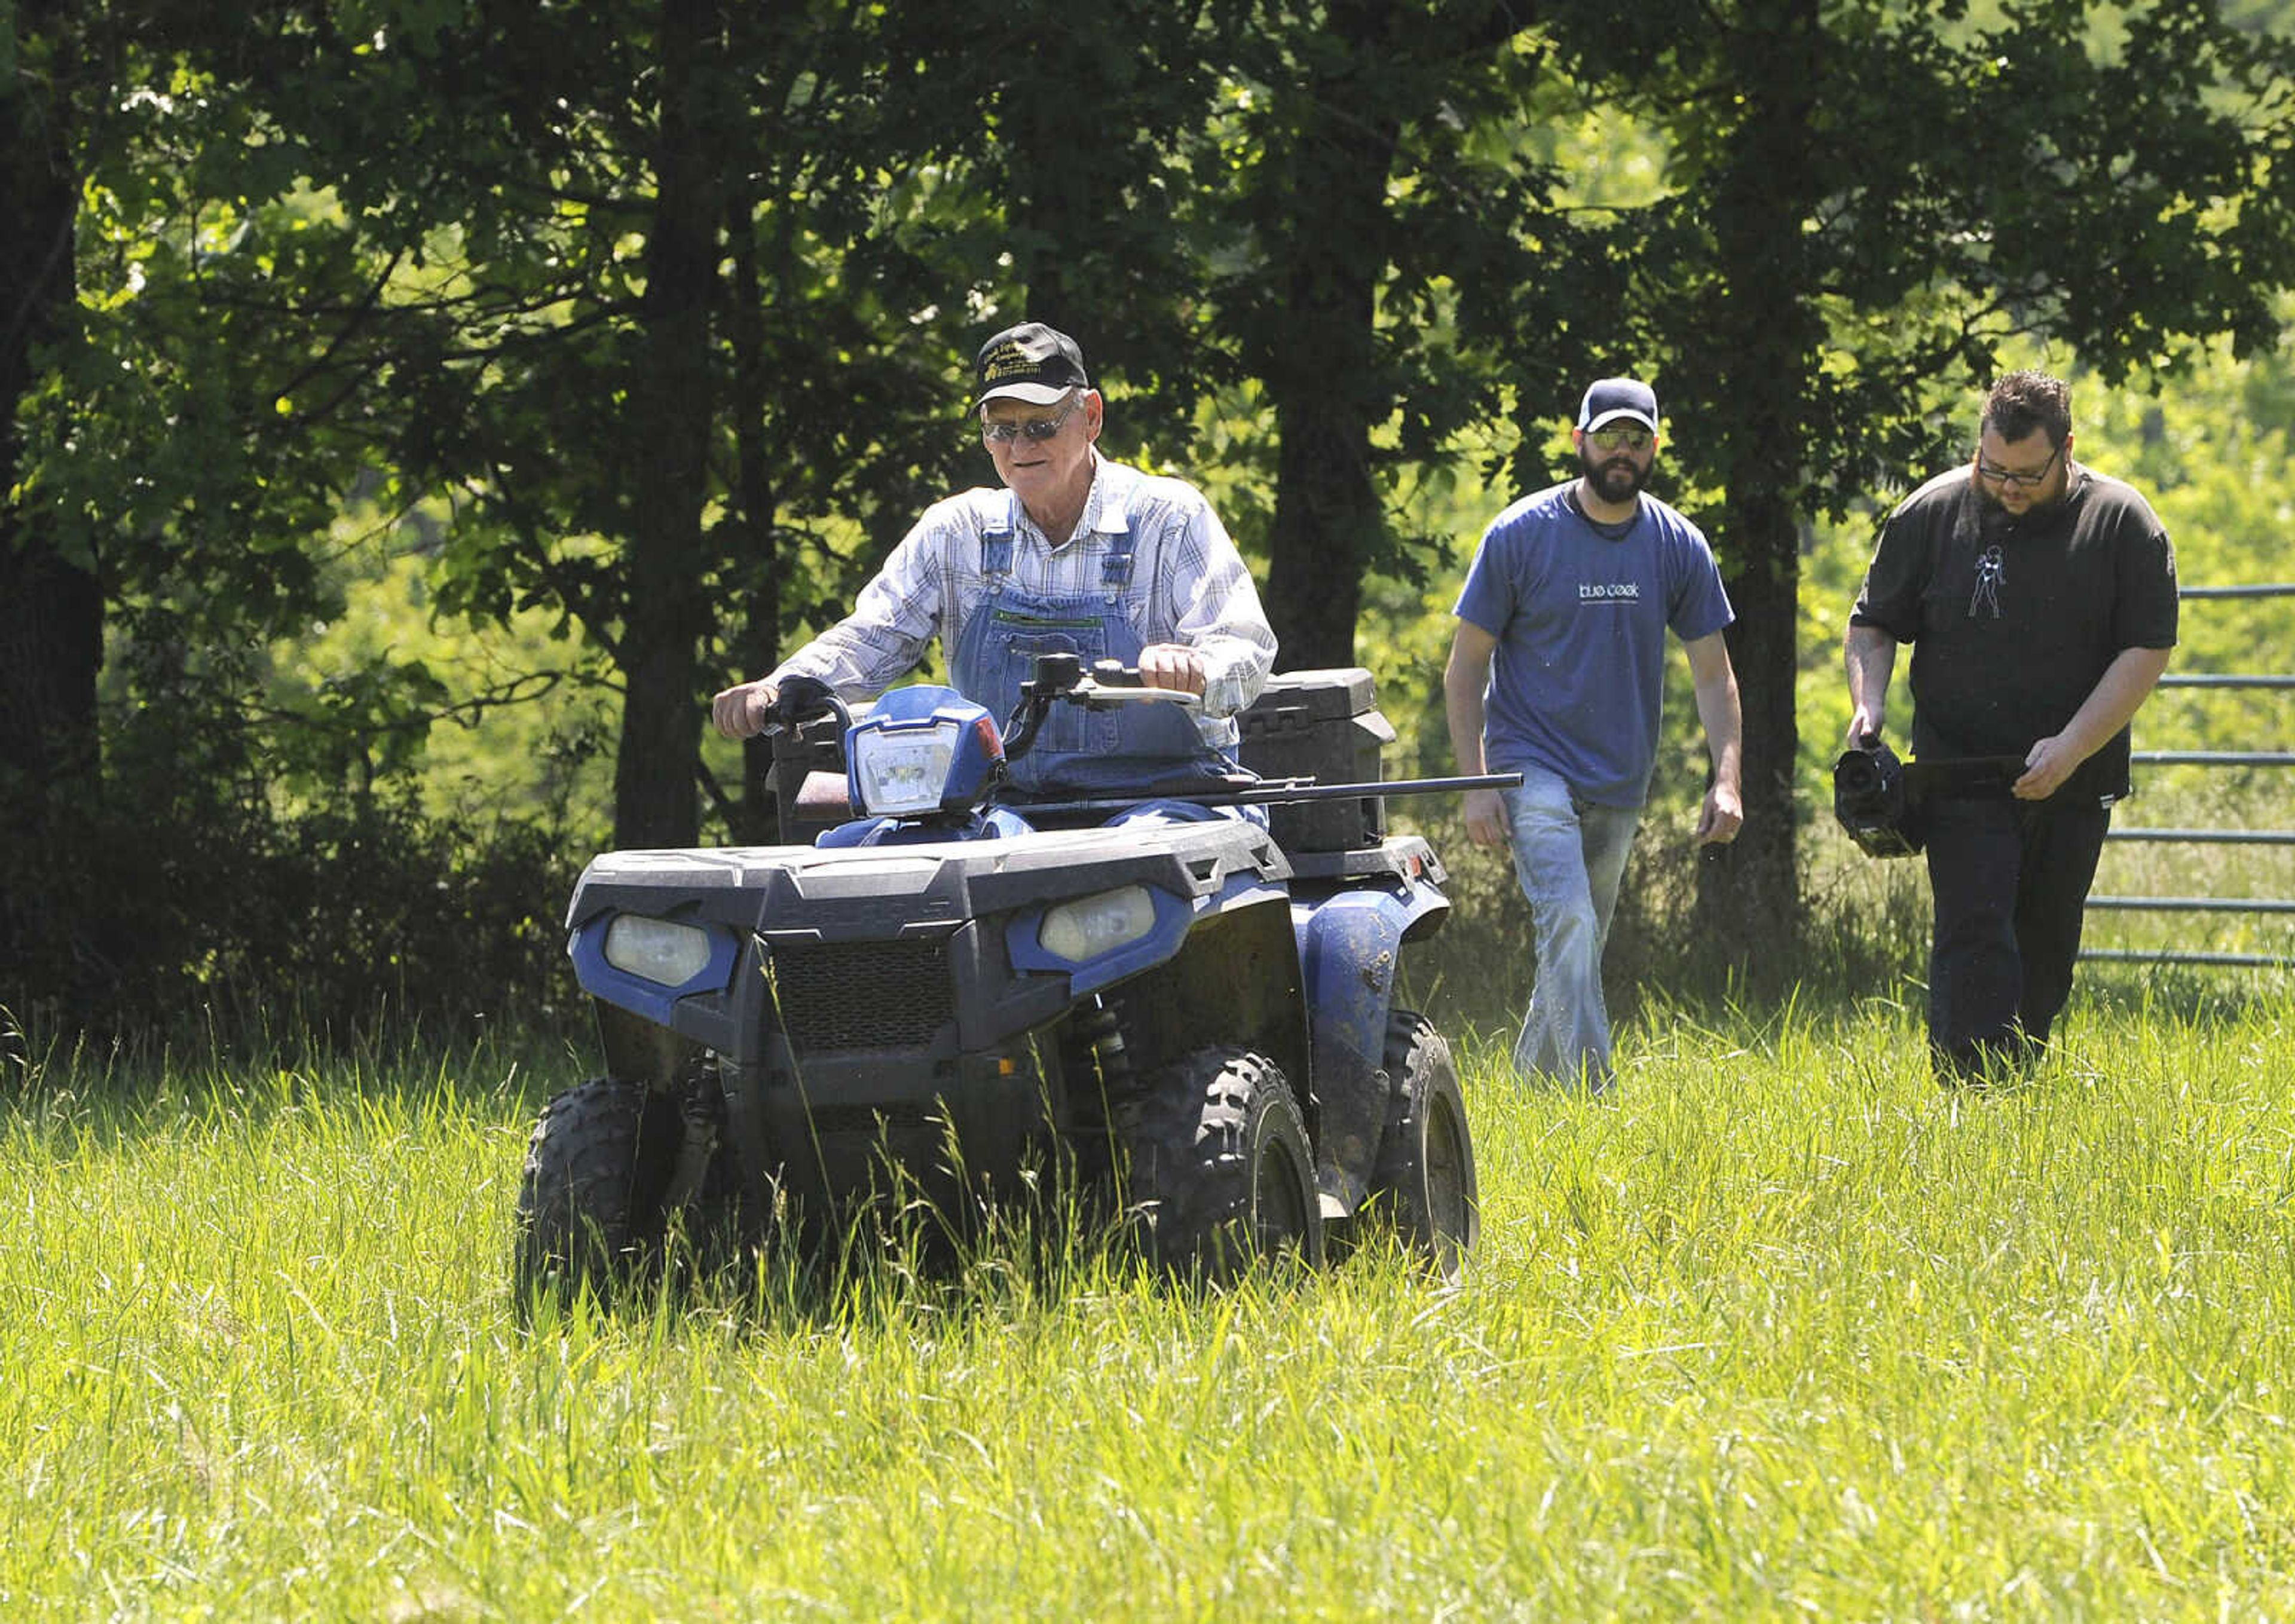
{"x": 1558, "y": 671}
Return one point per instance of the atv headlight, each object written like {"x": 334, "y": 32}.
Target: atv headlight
{"x": 655, "y": 950}
{"x": 1083, "y": 930}
{"x": 905, "y": 769}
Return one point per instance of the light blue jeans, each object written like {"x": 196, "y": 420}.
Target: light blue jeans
{"x": 1569, "y": 855}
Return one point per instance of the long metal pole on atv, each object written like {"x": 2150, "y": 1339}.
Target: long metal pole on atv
{"x": 1286, "y": 791}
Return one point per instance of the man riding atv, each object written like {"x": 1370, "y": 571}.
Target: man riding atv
{"x": 1046, "y": 923}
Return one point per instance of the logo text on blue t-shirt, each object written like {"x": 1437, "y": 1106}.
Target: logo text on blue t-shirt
{"x": 1598, "y": 591}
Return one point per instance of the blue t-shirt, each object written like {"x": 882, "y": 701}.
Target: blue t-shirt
{"x": 1581, "y": 619}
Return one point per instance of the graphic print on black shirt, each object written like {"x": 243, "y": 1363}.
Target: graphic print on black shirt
{"x": 1991, "y": 570}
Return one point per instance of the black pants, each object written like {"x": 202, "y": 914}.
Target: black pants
{"x": 2010, "y": 879}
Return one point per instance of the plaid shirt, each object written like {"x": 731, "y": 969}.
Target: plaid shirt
{"x": 1188, "y": 585}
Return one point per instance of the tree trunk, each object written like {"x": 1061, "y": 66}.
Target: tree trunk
{"x": 756, "y": 638}
{"x": 1328, "y": 522}
{"x": 51, "y": 605}
{"x": 1765, "y": 338}
{"x": 672, "y": 399}
{"x": 1321, "y": 368}
{"x": 1748, "y": 892}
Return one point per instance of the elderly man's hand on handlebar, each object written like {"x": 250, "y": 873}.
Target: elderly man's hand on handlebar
{"x": 1172, "y": 665}
{"x": 742, "y": 712}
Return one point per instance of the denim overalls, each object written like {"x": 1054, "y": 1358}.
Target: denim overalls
{"x": 1079, "y": 752}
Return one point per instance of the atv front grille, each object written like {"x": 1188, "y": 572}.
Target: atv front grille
{"x": 841, "y": 995}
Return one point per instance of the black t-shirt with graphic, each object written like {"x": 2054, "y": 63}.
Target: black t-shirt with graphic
{"x": 2013, "y": 619}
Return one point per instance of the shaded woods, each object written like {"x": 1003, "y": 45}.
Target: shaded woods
{"x": 648, "y": 319}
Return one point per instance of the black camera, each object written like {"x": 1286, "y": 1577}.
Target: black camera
{"x": 1869, "y": 800}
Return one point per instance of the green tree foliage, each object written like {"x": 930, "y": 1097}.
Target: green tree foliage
{"x": 146, "y": 484}
{"x": 1396, "y": 243}
{"x": 1868, "y": 201}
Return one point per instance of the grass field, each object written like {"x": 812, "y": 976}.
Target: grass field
{"x": 1778, "y": 1330}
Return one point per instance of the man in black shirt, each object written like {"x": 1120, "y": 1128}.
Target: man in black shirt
{"x": 2039, "y": 598}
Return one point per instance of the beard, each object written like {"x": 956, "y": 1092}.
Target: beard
{"x": 1619, "y": 478}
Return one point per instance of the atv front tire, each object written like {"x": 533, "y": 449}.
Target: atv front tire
{"x": 1424, "y": 1181}
{"x": 590, "y": 1207}
{"x": 1222, "y": 1172}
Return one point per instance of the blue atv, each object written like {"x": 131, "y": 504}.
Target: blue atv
{"x": 1185, "y": 1010}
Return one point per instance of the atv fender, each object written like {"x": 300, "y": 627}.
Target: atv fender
{"x": 1235, "y": 980}
{"x": 1349, "y": 943}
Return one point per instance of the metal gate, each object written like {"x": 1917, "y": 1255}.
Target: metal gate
{"x": 2206, "y": 837}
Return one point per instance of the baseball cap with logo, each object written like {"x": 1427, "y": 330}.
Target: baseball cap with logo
{"x": 1612, "y": 398}
{"x": 1030, "y": 361}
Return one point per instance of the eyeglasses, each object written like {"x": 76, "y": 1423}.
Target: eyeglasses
{"x": 2021, "y": 482}
{"x": 1619, "y": 439}
{"x": 1033, "y": 427}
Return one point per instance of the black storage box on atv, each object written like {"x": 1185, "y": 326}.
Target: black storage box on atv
{"x": 1323, "y": 725}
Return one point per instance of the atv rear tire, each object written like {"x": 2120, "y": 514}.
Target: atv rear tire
{"x": 1424, "y": 1181}
{"x": 590, "y": 1208}
{"x": 1222, "y": 1172}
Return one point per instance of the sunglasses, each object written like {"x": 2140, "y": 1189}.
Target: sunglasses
{"x": 1039, "y": 428}
{"x": 1619, "y": 439}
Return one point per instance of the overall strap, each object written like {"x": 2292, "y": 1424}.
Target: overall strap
{"x": 996, "y": 549}
{"x": 996, "y": 543}
{"x": 1116, "y": 569}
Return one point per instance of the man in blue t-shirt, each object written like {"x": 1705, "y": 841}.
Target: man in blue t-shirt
{"x": 1556, "y": 671}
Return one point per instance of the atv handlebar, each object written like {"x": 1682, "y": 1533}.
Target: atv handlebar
{"x": 1111, "y": 682}
{"x": 1108, "y": 684}
{"x": 799, "y": 699}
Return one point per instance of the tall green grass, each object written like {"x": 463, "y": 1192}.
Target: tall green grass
{"x": 1776, "y": 1330}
